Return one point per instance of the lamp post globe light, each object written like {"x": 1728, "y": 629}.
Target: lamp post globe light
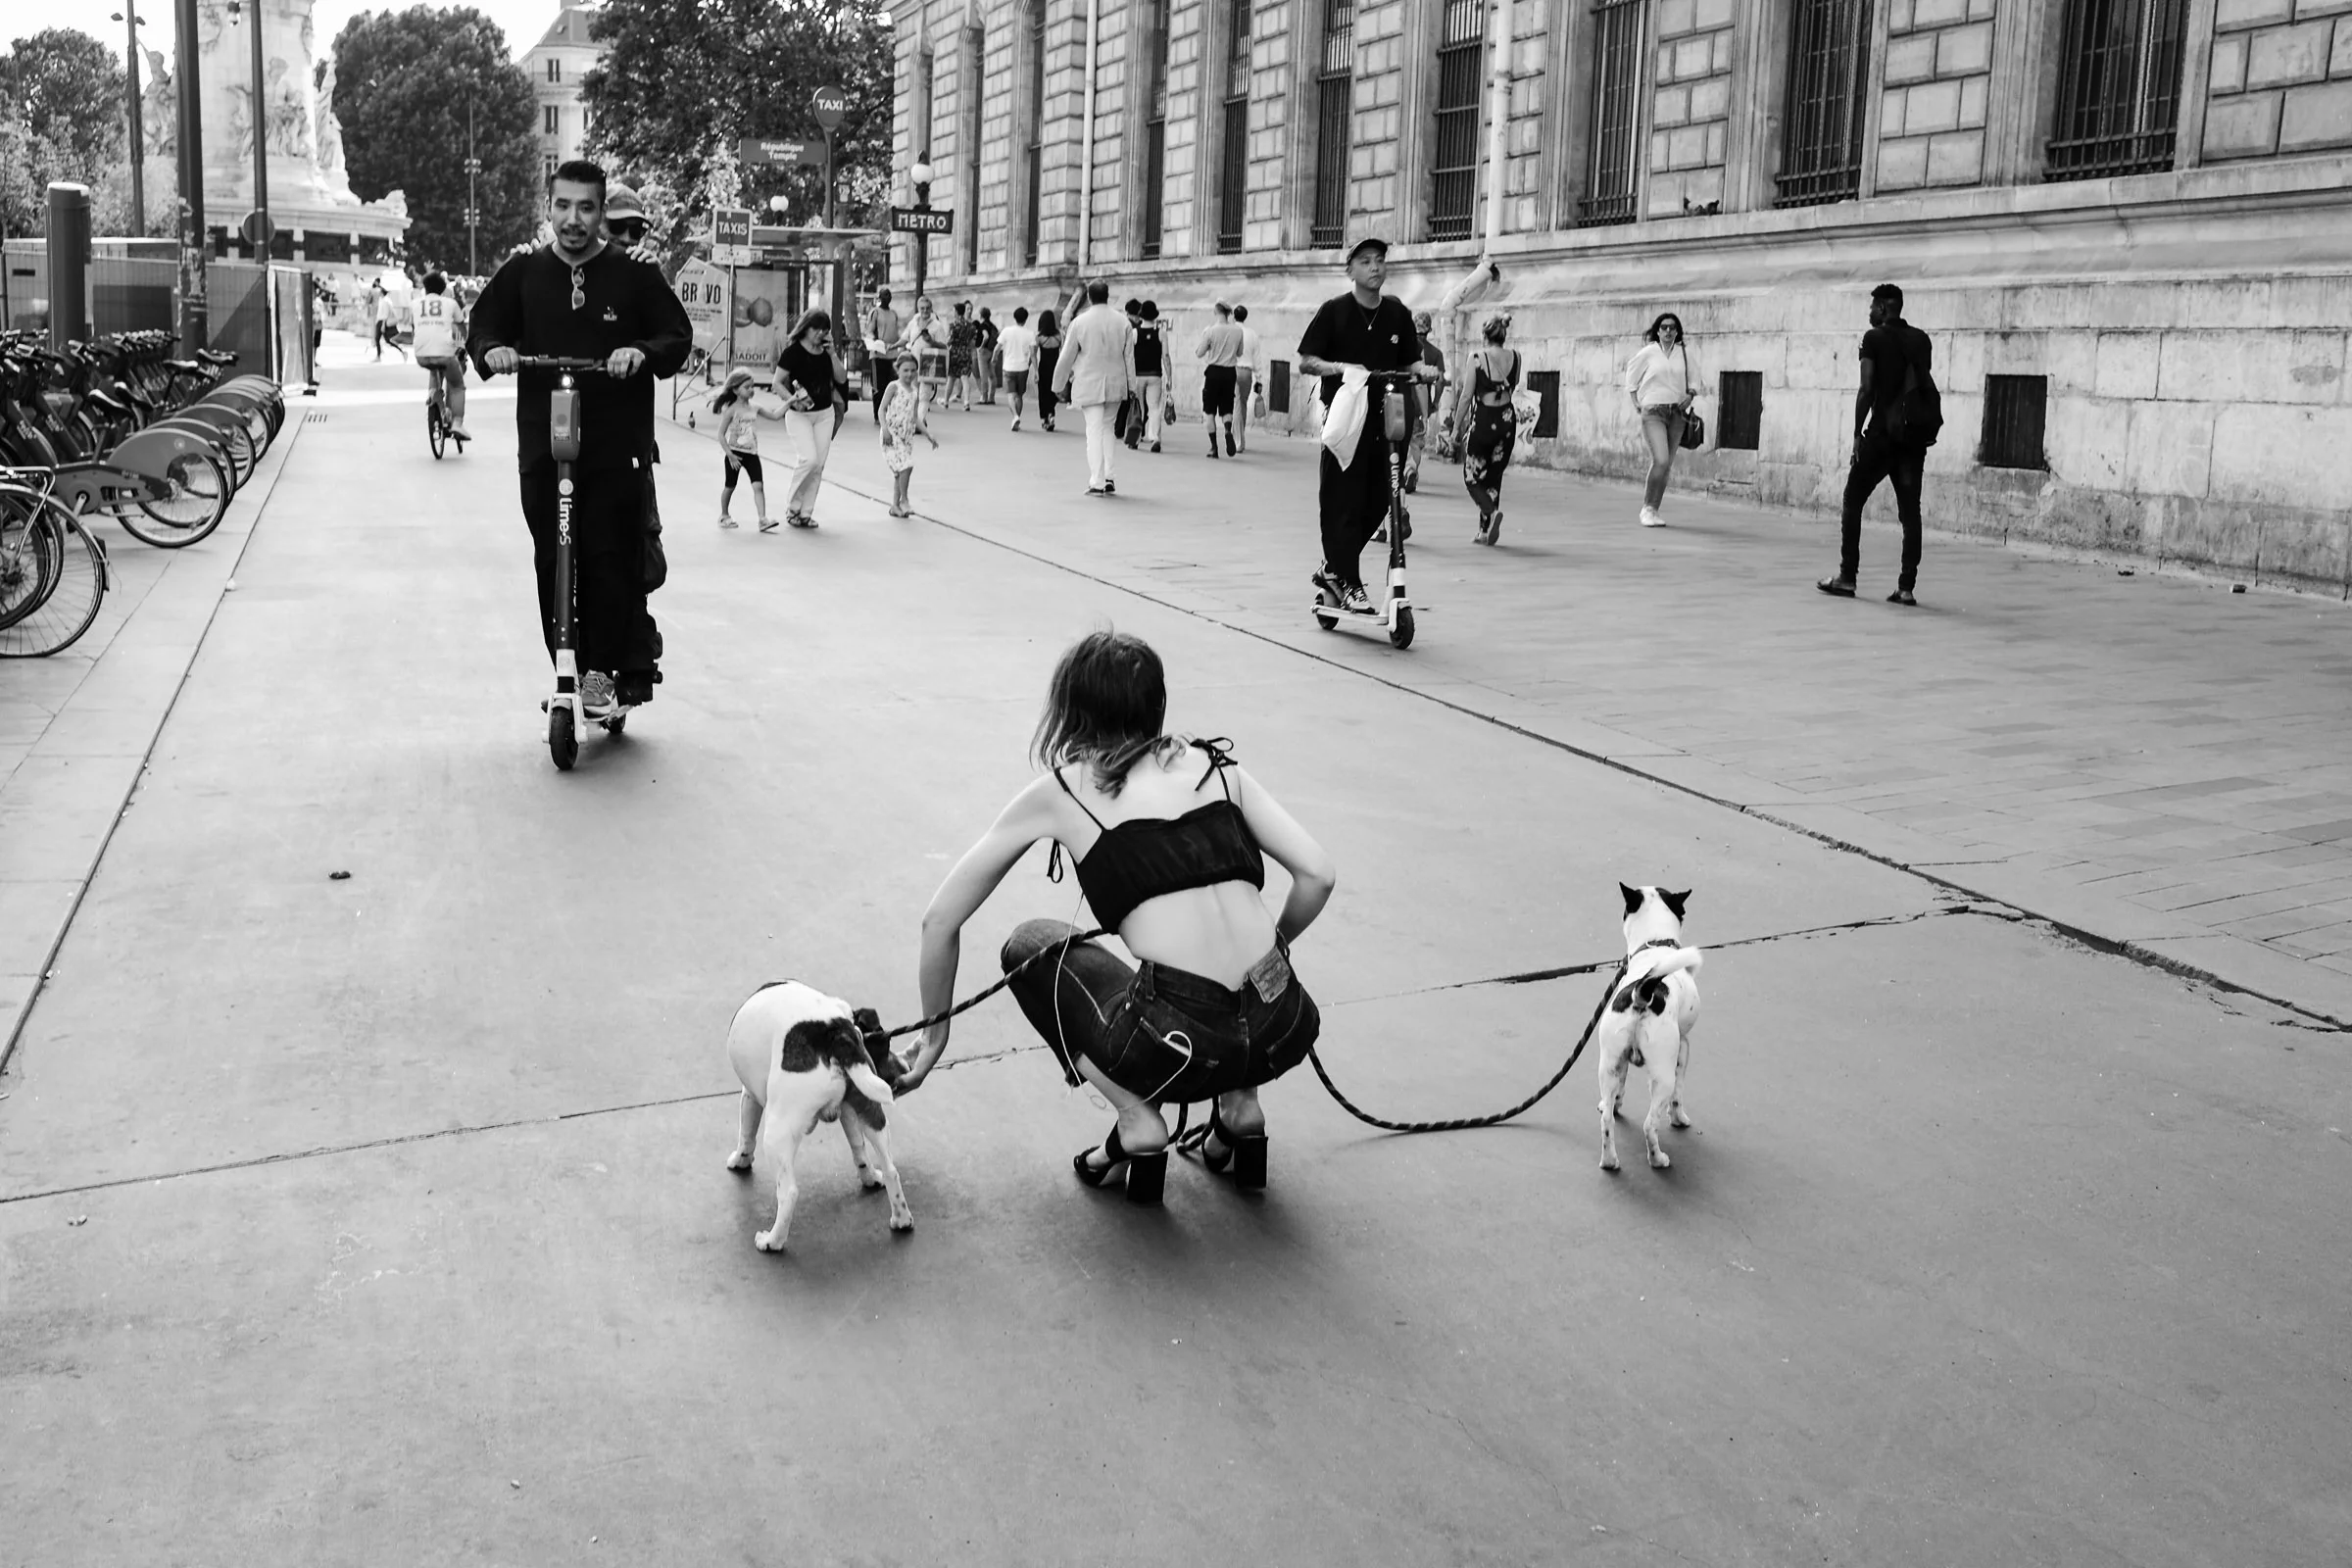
{"x": 921, "y": 175}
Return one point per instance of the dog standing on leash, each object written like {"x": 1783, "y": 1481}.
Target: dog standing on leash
{"x": 1648, "y": 1020}
{"x": 804, "y": 1057}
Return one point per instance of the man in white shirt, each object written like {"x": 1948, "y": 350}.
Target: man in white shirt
{"x": 1096, "y": 371}
{"x": 1247, "y": 374}
{"x": 1018, "y": 346}
{"x": 440, "y": 329}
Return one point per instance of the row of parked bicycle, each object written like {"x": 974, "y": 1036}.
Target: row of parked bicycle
{"x": 117, "y": 427}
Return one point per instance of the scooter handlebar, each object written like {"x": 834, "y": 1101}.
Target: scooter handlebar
{"x": 555, "y": 362}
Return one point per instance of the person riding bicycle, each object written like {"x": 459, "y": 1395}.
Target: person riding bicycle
{"x": 1360, "y": 329}
{"x": 440, "y": 329}
{"x": 579, "y": 297}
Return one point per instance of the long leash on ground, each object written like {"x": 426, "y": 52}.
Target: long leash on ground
{"x": 1192, "y": 1140}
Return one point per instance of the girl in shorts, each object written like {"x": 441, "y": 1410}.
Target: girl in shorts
{"x": 903, "y": 419}
{"x": 1170, "y": 837}
{"x": 739, "y": 438}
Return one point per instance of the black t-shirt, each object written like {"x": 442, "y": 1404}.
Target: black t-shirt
{"x": 623, "y": 304}
{"x": 1146, "y": 349}
{"x": 813, "y": 374}
{"x": 1889, "y": 349}
{"x": 1381, "y": 339}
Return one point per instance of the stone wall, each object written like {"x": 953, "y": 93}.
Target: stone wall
{"x": 1690, "y": 106}
{"x": 2281, "y": 78}
{"x": 1938, "y": 77}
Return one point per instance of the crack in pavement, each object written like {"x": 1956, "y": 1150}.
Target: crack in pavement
{"x": 2126, "y": 948}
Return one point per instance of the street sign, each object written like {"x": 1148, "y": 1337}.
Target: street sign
{"x": 258, "y": 230}
{"x": 731, "y": 236}
{"x": 831, "y": 105}
{"x": 758, "y": 150}
{"x": 922, "y": 220}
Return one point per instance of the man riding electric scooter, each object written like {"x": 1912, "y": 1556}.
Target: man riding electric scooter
{"x": 578, "y": 297}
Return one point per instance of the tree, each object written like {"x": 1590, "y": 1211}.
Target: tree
{"x": 67, "y": 87}
{"x": 682, "y": 80}
{"x": 402, "y": 82}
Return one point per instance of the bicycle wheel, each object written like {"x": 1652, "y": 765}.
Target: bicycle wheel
{"x": 198, "y": 501}
{"x": 435, "y": 431}
{"x": 30, "y": 546}
{"x": 74, "y": 598}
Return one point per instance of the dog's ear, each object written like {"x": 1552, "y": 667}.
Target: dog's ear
{"x": 868, "y": 1024}
{"x": 1676, "y": 900}
{"x": 1633, "y": 897}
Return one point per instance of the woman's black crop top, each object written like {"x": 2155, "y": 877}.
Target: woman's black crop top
{"x": 1146, "y": 857}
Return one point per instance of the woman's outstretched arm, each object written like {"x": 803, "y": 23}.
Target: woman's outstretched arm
{"x": 1294, "y": 849}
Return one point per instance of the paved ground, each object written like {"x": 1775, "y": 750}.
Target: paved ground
{"x": 383, "y": 1220}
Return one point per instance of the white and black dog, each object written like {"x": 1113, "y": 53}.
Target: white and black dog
{"x": 1649, "y": 1018}
{"x": 804, "y": 1057}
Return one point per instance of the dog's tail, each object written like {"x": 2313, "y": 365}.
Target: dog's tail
{"x": 869, "y": 1083}
{"x": 1643, "y": 987}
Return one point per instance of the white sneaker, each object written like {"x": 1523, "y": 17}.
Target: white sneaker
{"x": 1016, "y": 421}
{"x": 726, "y": 521}
{"x": 1650, "y": 519}
{"x": 596, "y": 694}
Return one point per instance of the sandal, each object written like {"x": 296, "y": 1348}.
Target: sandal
{"x": 1244, "y": 1155}
{"x": 1145, "y": 1174}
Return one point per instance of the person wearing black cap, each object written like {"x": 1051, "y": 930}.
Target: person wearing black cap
{"x": 1367, "y": 328}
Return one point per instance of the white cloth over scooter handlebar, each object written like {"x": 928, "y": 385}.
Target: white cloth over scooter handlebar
{"x": 1343, "y": 421}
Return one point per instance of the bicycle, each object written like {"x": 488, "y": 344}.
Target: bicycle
{"x": 1396, "y": 612}
{"x": 565, "y": 718}
{"x": 439, "y": 429}
{"x": 53, "y": 571}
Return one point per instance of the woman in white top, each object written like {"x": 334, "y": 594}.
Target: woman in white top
{"x": 1658, "y": 379}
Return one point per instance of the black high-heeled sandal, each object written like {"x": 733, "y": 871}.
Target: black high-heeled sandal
{"x": 1147, "y": 1174}
{"x": 1243, "y": 1156}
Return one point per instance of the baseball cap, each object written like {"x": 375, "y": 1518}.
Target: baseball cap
{"x": 621, "y": 202}
{"x": 1370, "y": 242}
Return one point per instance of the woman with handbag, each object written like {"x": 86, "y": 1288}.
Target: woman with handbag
{"x": 1497, "y": 407}
{"x": 1658, "y": 380}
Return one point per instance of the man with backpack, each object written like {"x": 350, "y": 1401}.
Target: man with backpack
{"x": 1897, "y": 415}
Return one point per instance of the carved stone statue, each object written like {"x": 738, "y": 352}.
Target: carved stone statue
{"x": 333, "y": 178}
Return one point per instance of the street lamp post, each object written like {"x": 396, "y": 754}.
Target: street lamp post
{"x": 195, "y": 323}
{"x": 131, "y": 21}
{"x": 921, "y": 173}
{"x": 257, "y": 118}
{"x": 474, "y": 208}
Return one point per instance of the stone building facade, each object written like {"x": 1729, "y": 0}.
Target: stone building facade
{"x": 557, "y": 65}
{"x": 2126, "y": 225}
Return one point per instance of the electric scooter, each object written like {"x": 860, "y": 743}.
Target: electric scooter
{"x": 1396, "y": 613}
{"x": 565, "y": 718}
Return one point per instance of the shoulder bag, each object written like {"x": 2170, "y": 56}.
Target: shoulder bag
{"x": 1695, "y": 428}
{"x": 1526, "y": 402}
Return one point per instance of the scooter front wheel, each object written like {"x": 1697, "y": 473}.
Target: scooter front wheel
{"x": 562, "y": 741}
{"x": 1327, "y": 612}
{"x": 1400, "y": 631}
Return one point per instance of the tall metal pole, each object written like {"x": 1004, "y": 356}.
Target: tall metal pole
{"x": 473, "y": 210}
{"x": 194, "y": 311}
{"x": 260, "y": 116}
{"x": 138, "y": 130}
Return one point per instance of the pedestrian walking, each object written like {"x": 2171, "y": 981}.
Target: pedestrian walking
{"x": 1018, "y": 346}
{"x": 1096, "y": 370}
{"x": 385, "y": 325}
{"x": 1487, "y": 397}
{"x": 1215, "y": 1011}
{"x": 903, "y": 417}
{"x": 1152, "y": 370}
{"x": 739, "y": 415}
{"x": 927, "y": 335}
{"x": 1904, "y": 412}
{"x": 1049, "y": 355}
{"x": 1221, "y": 346}
{"x": 812, "y": 383}
{"x": 1249, "y": 376}
{"x": 963, "y": 341}
{"x": 1425, "y": 403}
{"x": 1658, "y": 380}
{"x": 884, "y": 336}
{"x": 990, "y": 337}
{"x": 1363, "y": 329}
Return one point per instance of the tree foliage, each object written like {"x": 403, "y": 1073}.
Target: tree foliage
{"x": 61, "y": 117}
{"x": 682, "y": 80}
{"x": 403, "y": 80}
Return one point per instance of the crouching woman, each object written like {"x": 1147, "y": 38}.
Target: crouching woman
{"x": 1169, "y": 836}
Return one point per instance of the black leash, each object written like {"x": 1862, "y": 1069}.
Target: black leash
{"x": 978, "y": 996}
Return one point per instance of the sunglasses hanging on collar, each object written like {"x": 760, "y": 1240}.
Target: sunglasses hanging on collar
{"x": 579, "y": 288}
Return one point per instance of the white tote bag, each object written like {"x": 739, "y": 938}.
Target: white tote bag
{"x": 1343, "y": 421}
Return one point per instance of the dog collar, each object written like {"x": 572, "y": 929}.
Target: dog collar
{"x": 1658, "y": 942}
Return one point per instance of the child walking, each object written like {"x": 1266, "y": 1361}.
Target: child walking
{"x": 901, "y": 420}
{"x": 739, "y": 435}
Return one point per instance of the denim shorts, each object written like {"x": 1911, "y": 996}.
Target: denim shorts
{"x": 1163, "y": 1034}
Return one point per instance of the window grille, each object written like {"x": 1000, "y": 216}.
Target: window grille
{"x": 1610, "y": 163}
{"x": 1155, "y": 129}
{"x": 1034, "y": 155}
{"x": 1545, "y": 385}
{"x": 2118, "y": 88}
{"x": 1455, "y": 193}
{"x": 1335, "y": 94}
{"x": 1232, "y": 190}
{"x": 1828, "y": 71}
{"x": 1739, "y": 411}
{"x": 2014, "y": 409}
{"x": 1278, "y": 387}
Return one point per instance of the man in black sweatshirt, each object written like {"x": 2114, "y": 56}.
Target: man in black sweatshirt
{"x": 579, "y": 297}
